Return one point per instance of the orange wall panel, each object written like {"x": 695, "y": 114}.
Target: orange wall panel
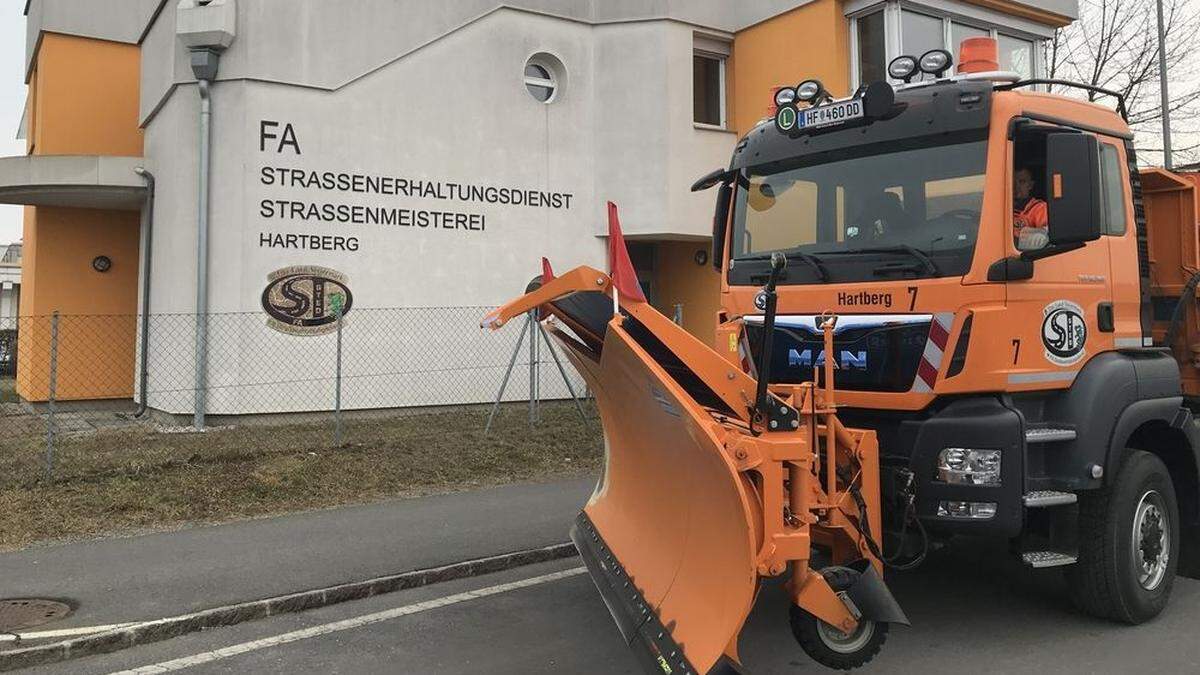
{"x": 97, "y": 327}
{"x": 86, "y": 97}
{"x": 679, "y": 280}
{"x": 83, "y": 100}
{"x": 812, "y": 41}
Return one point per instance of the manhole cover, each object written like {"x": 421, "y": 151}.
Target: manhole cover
{"x": 23, "y": 613}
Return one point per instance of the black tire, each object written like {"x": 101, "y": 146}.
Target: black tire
{"x": 1108, "y": 581}
{"x": 830, "y": 647}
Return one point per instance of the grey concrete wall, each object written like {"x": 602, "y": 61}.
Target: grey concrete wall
{"x": 455, "y": 111}
{"x": 329, "y": 44}
{"x": 1067, "y": 8}
{"x": 116, "y": 20}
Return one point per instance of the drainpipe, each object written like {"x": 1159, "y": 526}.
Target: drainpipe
{"x": 202, "y": 252}
{"x": 206, "y": 28}
{"x": 147, "y": 247}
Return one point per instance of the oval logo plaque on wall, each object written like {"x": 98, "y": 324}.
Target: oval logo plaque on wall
{"x": 306, "y": 299}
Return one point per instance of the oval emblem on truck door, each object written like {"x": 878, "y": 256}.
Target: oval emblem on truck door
{"x": 1064, "y": 332}
{"x": 306, "y": 299}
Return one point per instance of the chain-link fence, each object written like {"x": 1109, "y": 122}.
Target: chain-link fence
{"x": 76, "y": 402}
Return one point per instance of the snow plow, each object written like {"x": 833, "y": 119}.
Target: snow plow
{"x": 713, "y": 482}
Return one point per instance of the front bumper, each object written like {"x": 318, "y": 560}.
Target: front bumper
{"x": 969, "y": 423}
{"x": 650, "y": 640}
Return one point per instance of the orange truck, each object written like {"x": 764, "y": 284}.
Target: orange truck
{"x": 1007, "y": 307}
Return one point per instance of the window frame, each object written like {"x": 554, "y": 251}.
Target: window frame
{"x": 723, "y": 107}
{"x": 893, "y": 34}
{"x": 549, "y": 82}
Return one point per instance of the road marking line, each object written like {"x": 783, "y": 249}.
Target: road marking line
{"x": 346, "y": 624}
{"x": 62, "y": 632}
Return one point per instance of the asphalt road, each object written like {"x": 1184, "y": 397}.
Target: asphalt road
{"x": 973, "y": 610}
{"x": 119, "y": 580}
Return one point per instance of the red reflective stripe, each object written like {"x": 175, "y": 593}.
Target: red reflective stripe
{"x": 938, "y": 335}
{"x": 927, "y": 373}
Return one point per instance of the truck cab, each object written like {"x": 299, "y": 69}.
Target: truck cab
{"x": 1007, "y": 363}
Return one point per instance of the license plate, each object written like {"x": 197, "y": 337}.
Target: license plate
{"x": 827, "y": 115}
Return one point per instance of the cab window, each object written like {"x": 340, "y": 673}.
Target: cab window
{"x": 1112, "y": 190}
{"x": 1031, "y": 228}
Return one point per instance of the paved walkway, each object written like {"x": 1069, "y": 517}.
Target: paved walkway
{"x": 165, "y": 574}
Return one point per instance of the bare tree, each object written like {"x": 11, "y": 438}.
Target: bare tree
{"x": 1114, "y": 45}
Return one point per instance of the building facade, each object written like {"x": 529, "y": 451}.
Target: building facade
{"x": 386, "y": 153}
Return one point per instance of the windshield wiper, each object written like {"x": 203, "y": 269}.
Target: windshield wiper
{"x": 927, "y": 263}
{"x": 794, "y": 254}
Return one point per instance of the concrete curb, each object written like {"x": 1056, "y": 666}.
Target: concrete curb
{"x": 162, "y": 629}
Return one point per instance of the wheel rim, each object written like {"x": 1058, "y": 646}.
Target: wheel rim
{"x": 1151, "y": 546}
{"x": 843, "y": 643}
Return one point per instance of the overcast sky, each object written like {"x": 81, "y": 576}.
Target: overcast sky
{"x": 12, "y": 101}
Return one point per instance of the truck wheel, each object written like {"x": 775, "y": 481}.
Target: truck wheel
{"x": 1128, "y": 543}
{"x": 829, "y": 646}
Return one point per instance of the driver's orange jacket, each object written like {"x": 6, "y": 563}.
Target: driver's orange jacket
{"x": 1033, "y": 215}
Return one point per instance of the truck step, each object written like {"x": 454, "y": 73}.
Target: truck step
{"x": 1048, "y": 435}
{"x": 1039, "y": 559}
{"x": 1043, "y": 498}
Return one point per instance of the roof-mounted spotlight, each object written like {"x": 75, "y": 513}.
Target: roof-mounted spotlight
{"x": 811, "y": 92}
{"x": 785, "y": 96}
{"x": 936, "y": 62}
{"x": 903, "y": 68}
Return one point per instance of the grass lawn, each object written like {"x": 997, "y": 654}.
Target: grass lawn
{"x": 121, "y": 481}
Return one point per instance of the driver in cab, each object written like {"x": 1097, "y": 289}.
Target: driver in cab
{"x": 1029, "y": 213}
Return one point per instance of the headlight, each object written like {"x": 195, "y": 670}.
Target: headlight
{"x": 936, "y": 62}
{"x": 903, "y": 68}
{"x": 966, "y": 466}
{"x": 810, "y": 91}
{"x": 969, "y": 510}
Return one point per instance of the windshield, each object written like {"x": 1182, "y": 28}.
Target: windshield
{"x": 891, "y": 211}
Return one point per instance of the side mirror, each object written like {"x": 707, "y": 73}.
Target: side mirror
{"x": 1073, "y": 188}
{"x": 720, "y": 225}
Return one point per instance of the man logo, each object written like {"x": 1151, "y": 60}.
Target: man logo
{"x": 1064, "y": 332}
{"x": 847, "y": 360}
{"x": 305, "y": 299}
{"x": 760, "y": 301}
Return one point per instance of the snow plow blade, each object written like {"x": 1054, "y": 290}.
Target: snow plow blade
{"x": 710, "y": 483}
{"x": 668, "y": 536}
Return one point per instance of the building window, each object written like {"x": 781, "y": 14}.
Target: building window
{"x": 1016, "y": 55}
{"x": 920, "y": 32}
{"x": 889, "y": 29}
{"x": 708, "y": 89}
{"x": 872, "y": 47}
{"x": 539, "y": 80}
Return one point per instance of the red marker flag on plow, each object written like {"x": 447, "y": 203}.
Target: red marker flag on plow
{"x": 620, "y": 267}
{"x": 547, "y": 277}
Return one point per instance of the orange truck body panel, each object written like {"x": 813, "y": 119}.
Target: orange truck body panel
{"x": 1005, "y": 352}
{"x": 1173, "y": 216}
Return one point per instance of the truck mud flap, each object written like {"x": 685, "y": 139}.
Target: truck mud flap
{"x": 671, "y": 533}
{"x": 873, "y": 598}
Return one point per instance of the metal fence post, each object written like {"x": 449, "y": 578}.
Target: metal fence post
{"x": 53, "y": 393}
{"x": 337, "y": 396}
{"x": 533, "y": 360}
